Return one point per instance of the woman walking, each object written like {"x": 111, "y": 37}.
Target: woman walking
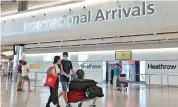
{"x": 54, "y": 70}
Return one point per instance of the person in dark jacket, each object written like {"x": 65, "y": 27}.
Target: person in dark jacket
{"x": 64, "y": 79}
{"x": 112, "y": 76}
{"x": 107, "y": 77}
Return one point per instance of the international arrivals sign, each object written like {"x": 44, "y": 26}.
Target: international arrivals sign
{"x": 144, "y": 9}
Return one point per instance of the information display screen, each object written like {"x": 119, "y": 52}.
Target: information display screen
{"x": 123, "y": 55}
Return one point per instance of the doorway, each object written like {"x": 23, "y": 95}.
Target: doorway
{"x": 134, "y": 70}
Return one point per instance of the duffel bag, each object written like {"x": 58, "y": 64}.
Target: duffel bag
{"x": 81, "y": 84}
{"x": 93, "y": 92}
{"x": 75, "y": 96}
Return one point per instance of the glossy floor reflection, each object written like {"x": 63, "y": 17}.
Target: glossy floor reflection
{"x": 137, "y": 96}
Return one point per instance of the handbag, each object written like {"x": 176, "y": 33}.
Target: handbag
{"x": 50, "y": 80}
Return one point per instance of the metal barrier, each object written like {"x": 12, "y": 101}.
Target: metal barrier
{"x": 38, "y": 79}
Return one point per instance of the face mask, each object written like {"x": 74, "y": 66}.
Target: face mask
{"x": 65, "y": 58}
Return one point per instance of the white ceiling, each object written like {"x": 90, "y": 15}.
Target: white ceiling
{"x": 10, "y": 7}
{"x": 108, "y": 43}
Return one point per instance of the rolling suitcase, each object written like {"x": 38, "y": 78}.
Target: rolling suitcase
{"x": 75, "y": 96}
{"x": 81, "y": 84}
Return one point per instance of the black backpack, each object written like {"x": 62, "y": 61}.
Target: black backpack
{"x": 93, "y": 92}
{"x": 80, "y": 73}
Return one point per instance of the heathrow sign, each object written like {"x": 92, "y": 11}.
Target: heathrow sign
{"x": 90, "y": 66}
{"x": 145, "y": 9}
{"x": 161, "y": 67}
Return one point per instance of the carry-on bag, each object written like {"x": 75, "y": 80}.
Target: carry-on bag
{"x": 93, "y": 92}
{"x": 50, "y": 80}
{"x": 75, "y": 96}
{"x": 81, "y": 84}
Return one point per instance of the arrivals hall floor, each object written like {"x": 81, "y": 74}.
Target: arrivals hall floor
{"x": 137, "y": 96}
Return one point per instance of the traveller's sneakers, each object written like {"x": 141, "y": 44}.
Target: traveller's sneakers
{"x": 19, "y": 89}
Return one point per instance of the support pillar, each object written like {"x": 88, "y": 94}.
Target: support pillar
{"x": 22, "y": 5}
{"x": 19, "y": 54}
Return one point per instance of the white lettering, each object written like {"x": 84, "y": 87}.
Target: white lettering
{"x": 102, "y": 15}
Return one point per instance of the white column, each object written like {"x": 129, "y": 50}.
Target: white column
{"x": 19, "y": 53}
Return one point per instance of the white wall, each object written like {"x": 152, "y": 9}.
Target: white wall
{"x": 78, "y": 59}
{"x": 155, "y": 54}
{"x": 98, "y": 58}
{"x": 161, "y": 70}
{"x": 142, "y": 70}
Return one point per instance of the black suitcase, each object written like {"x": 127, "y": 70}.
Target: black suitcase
{"x": 81, "y": 84}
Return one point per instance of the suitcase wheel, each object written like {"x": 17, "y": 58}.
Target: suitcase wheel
{"x": 80, "y": 105}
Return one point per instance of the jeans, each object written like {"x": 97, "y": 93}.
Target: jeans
{"x": 115, "y": 82}
{"x": 64, "y": 85}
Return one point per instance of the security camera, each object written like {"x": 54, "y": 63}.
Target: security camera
{"x": 70, "y": 9}
{"x": 84, "y": 7}
{"x": 14, "y": 0}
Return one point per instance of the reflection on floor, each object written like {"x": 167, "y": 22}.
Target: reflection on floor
{"x": 137, "y": 96}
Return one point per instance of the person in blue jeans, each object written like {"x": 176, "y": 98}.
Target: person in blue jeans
{"x": 117, "y": 71}
{"x": 64, "y": 79}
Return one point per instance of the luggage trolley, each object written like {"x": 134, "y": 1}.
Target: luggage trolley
{"x": 122, "y": 83}
{"x": 92, "y": 101}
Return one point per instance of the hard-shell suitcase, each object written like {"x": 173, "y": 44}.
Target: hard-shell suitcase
{"x": 75, "y": 96}
{"x": 81, "y": 84}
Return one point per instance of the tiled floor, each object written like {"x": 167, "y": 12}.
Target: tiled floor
{"x": 137, "y": 96}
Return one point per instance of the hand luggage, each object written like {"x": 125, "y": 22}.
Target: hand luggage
{"x": 81, "y": 84}
{"x": 75, "y": 96}
{"x": 50, "y": 80}
{"x": 93, "y": 92}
